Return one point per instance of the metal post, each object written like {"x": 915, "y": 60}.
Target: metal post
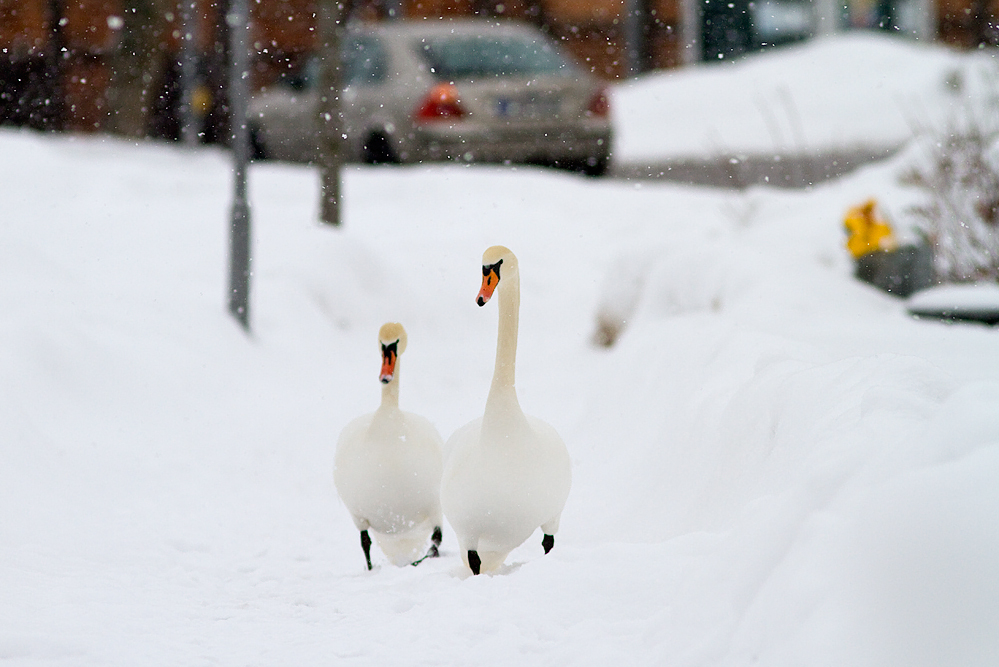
{"x": 239, "y": 230}
{"x": 329, "y": 122}
{"x": 394, "y": 9}
{"x": 827, "y": 16}
{"x": 189, "y": 20}
{"x": 926, "y": 21}
{"x": 53, "y": 116}
{"x": 690, "y": 31}
{"x": 633, "y": 19}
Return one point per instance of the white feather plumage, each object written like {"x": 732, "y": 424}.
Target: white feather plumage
{"x": 387, "y": 470}
{"x": 507, "y": 474}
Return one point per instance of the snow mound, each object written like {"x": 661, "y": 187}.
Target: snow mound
{"x": 875, "y": 90}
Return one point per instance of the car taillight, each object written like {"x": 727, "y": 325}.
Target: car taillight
{"x": 599, "y": 105}
{"x": 441, "y": 103}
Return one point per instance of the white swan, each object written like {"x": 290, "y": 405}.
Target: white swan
{"x": 387, "y": 469}
{"x": 506, "y": 473}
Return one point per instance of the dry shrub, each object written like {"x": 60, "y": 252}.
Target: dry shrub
{"x": 958, "y": 171}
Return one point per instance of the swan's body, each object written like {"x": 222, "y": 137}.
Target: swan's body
{"x": 387, "y": 469}
{"x": 507, "y": 474}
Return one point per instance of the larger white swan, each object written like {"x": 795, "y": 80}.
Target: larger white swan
{"x": 387, "y": 469}
{"x": 507, "y": 473}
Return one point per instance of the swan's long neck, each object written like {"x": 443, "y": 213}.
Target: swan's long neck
{"x": 386, "y": 426}
{"x": 502, "y": 407}
{"x": 506, "y": 340}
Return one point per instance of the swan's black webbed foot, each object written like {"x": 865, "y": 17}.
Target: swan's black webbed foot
{"x": 548, "y": 541}
{"x": 433, "y": 551}
{"x": 473, "y": 561}
{"x": 366, "y": 545}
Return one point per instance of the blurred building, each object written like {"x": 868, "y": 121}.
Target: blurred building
{"x": 54, "y": 70}
{"x": 117, "y": 65}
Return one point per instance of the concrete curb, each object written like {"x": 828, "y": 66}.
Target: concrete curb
{"x": 744, "y": 170}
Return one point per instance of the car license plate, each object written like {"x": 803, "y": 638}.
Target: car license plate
{"x": 528, "y": 108}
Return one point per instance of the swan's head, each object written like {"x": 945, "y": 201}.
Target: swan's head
{"x": 496, "y": 261}
{"x": 393, "y": 341}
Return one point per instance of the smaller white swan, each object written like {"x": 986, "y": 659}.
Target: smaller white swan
{"x": 507, "y": 473}
{"x": 387, "y": 469}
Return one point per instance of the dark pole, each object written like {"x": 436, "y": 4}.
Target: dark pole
{"x": 189, "y": 79}
{"x": 980, "y": 23}
{"x": 53, "y": 116}
{"x": 394, "y": 9}
{"x": 239, "y": 230}
{"x": 331, "y": 18}
{"x": 632, "y": 30}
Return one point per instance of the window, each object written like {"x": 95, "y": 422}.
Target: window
{"x": 470, "y": 57}
{"x": 364, "y": 61}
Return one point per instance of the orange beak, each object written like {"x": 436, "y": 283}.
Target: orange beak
{"x": 388, "y": 363}
{"x": 490, "y": 279}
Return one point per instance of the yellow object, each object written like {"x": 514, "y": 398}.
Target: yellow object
{"x": 867, "y": 231}
{"x": 201, "y": 100}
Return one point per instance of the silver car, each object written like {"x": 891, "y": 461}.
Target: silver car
{"x": 472, "y": 90}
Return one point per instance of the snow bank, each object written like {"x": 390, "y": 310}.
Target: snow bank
{"x": 841, "y": 92}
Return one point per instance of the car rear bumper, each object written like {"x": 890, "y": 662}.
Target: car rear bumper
{"x": 471, "y": 144}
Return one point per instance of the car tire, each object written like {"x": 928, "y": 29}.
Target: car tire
{"x": 595, "y": 167}
{"x": 257, "y": 150}
{"x": 378, "y": 150}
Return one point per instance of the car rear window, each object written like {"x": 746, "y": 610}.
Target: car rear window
{"x": 364, "y": 61}
{"x": 480, "y": 56}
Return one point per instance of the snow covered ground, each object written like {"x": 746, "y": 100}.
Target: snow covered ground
{"x": 773, "y": 465}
